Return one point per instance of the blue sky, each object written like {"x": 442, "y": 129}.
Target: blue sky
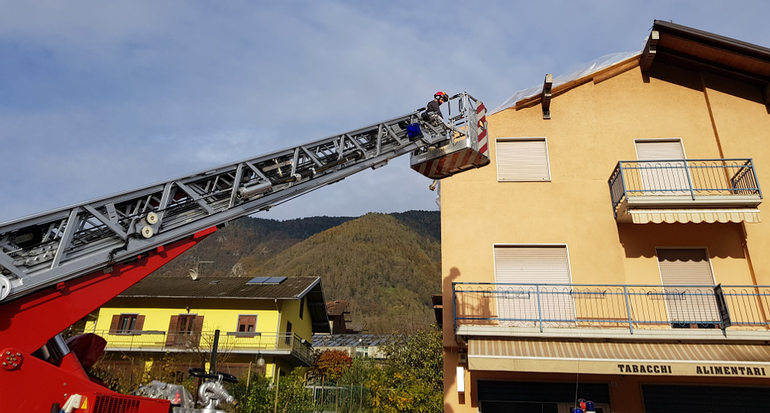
{"x": 99, "y": 97}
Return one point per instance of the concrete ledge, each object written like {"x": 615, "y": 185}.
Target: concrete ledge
{"x": 679, "y": 334}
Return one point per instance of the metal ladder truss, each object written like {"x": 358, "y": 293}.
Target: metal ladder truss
{"x": 51, "y": 247}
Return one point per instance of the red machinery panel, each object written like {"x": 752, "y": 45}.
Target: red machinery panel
{"x": 26, "y": 324}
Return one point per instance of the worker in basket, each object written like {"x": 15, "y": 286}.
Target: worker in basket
{"x": 433, "y": 113}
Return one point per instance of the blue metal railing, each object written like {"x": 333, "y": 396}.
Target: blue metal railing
{"x": 683, "y": 177}
{"x": 611, "y": 305}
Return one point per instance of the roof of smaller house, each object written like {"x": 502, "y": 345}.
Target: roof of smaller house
{"x": 226, "y": 287}
{"x": 291, "y": 288}
{"x": 352, "y": 340}
{"x": 336, "y": 308}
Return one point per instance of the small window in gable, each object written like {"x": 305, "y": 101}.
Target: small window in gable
{"x": 522, "y": 160}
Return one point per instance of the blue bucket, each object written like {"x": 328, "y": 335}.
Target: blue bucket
{"x": 413, "y": 131}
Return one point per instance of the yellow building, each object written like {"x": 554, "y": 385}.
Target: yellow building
{"x": 264, "y": 324}
{"x": 613, "y": 250}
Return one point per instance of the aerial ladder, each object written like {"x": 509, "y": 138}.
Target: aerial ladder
{"x": 58, "y": 266}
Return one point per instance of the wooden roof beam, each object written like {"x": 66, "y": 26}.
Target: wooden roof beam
{"x": 650, "y": 49}
{"x": 546, "y": 97}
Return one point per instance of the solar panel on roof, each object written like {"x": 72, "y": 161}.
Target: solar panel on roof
{"x": 265, "y": 280}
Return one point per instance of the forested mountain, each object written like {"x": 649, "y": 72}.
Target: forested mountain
{"x": 245, "y": 244}
{"x": 386, "y": 265}
{"x": 384, "y": 268}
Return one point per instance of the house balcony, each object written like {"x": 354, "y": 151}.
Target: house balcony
{"x": 631, "y": 312}
{"x": 283, "y": 346}
{"x": 685, "y": 190}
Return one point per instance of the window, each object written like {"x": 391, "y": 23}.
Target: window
{"x": 533, "y": 264}
{"x": 127, "y": 324}
{"x": 288, "y": 333}
{"x": 186, "y": 325}
{"x": 247, "y": 323}
{"x": 184, "y": 330}
{"x": 522, "y": 159}
{"x": 688, "y": 307}
{"x": 301, "y": 308}
{"x": 662, "y": 178}
{"x": 362, "y": 352}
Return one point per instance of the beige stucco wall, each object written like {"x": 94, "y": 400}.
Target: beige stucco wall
{"x": 593, "y": 126}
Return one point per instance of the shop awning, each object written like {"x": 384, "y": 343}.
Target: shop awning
{"x": 637, "y": 358}
{"x": 671, "y": 216}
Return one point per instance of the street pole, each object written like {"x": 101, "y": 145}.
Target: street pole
{"x": 213, "y": 363}
{"x": 277, "y": 382}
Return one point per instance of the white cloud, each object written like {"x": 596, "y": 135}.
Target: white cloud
{"x": 98, "y": 97}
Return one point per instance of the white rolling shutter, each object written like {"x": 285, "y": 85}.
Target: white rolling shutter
{"x": 522, "y": 160}
{"x": 662, "y": 178}
{"x": 687, "y": 267}
{"x": 534, "y": 265}
{"x": 659, "y": 149}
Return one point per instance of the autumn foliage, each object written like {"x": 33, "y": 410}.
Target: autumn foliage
{"x": 331, "y": 365}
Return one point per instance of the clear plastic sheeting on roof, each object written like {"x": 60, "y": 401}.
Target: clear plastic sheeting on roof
{"x": 591, "y": 67}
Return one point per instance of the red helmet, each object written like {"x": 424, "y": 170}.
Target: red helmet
{"x": 441, "y": 95}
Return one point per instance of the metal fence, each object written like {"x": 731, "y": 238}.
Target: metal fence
{"x": 228, "y": 341}
{"x": 340, "y": 398}
{"x": 683, "y": 177}
{"x": 607, "y": 306}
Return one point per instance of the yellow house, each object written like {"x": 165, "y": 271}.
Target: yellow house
{"x": 265, "y": 324}
{"x": 613, "y": 250}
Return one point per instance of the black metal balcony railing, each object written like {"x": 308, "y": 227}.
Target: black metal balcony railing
{"x": 694, "y": 178}
{"x": 266, "y": 343}
{"x": 606, "y": 306}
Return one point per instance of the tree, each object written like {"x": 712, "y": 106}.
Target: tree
{"x": 258, "y": 397}
{"x": 331, "y": 365}
{"x": 414, "y": 378}
{"x": 293, "y": 397}
{"x": 419, "y": 358}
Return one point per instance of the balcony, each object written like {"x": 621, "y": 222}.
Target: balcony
{"x": 685, "y": 190}
{"x": 268, "y": 344}
{"x": 611, "y": 311}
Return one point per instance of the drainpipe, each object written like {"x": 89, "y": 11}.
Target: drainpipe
{"x": 745, "y": 244}
{"x": 277, "y": 324}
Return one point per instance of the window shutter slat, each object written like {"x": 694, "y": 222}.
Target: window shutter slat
{"x": 662, "y": 178}
{"x": 684, "y": 267}
{"x": 139, "y": 323}
{"x": 688, "y": 267}
{"x": 653, "y": 150}
{"x": 114, "y": 324}
{"x": 534, "y": 265}
{"x": 522, "y": 160}
{"x": 198, "y": 329}
{"x": 172, "y": 328}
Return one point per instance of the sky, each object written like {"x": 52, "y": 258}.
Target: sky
{"x": 101, "y": 97}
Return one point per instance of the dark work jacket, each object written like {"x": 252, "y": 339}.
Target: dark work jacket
{"x": 433, "y": 106}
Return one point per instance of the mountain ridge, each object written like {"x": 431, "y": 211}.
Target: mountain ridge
{"x": 386, "y": 266}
